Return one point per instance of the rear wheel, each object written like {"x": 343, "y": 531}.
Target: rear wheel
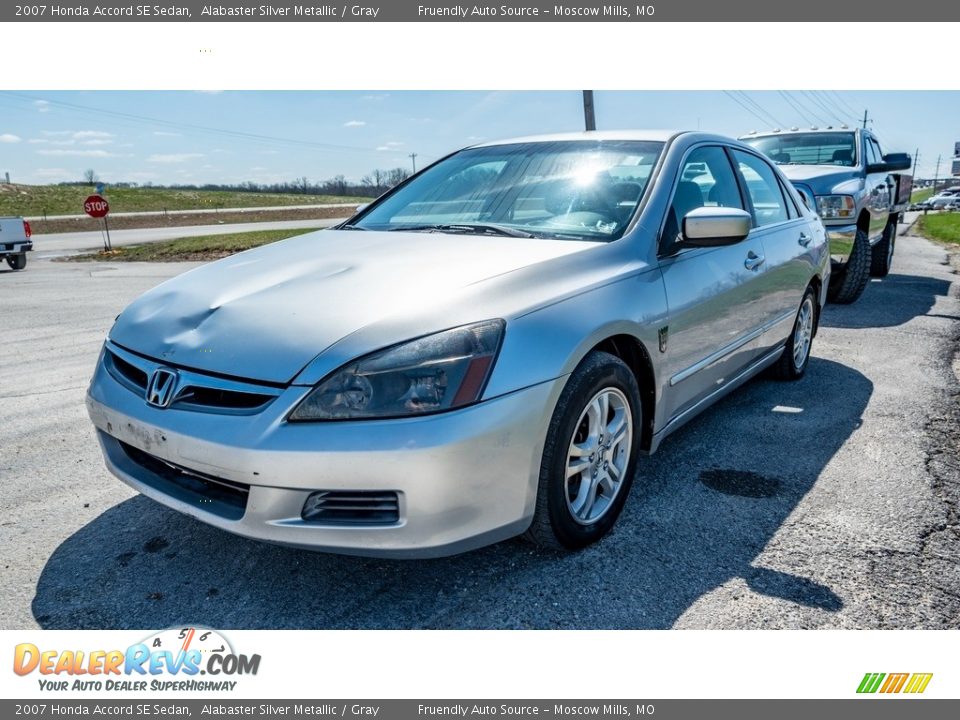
{"x": 796, "y": 355}
{"x": 882, "y": 256}
{"x": 847, "y": 284}
{"x": 589, "y": 456}
{"x": 18, "y": 261}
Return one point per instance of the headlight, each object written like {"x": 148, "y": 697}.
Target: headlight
{"x": 438, "y": 372}
{"x": 836, "y": 207}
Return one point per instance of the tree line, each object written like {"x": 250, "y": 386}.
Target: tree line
{"x": 375, "y": 183}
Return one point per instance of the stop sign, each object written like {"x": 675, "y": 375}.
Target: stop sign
{"x": 96, "y": 206}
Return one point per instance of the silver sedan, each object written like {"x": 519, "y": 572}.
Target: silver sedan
{"x": 483, "y": 352}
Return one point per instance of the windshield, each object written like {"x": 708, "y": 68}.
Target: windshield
{"x": 820, "y": 148}
{"x": 585, "y": 190}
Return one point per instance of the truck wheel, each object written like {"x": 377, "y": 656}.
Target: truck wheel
{"x": 18, "y": 261}
{"x": 848, "y": 284}
{"x": 589, "y": 456}
{"x": 882, "y": 257}
{"x": 796, "y": 355}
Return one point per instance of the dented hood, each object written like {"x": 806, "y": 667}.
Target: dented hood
{"x": 265, "y": 313}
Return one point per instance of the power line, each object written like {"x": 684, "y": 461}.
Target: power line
{"x": 823, "y": 106}
{"x": 835, "y": 109}
{"x": 762, "y": 109}
{"x": 850, "y": 111}
{"x": 796, "y": 107}
{"x": 237, "y": 134}
{"x": 816, "y": 116}
{"x": 753, "y": 112}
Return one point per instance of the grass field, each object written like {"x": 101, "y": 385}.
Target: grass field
{"x": 206, "y": 247}
{"x": 944, "y": 227}
{"x": 35, "y": 200}
{"x": 920, "y": 195}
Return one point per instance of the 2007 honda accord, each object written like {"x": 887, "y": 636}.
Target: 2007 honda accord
{"x": 484, "y": 351}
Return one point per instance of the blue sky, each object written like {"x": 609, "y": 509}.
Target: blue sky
{"x": 195, "y": 137}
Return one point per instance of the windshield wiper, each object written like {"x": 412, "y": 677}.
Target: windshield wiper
{"x": 467, "y": 229}
{"x": 350, "y": 227}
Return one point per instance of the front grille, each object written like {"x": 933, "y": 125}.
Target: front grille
{"x": 215, "y": 398}
{"x": 352, "y": 507}
{"x": 195, "y": 391}
{"x": 225, "y": 498}
{"x": 132, "y": 373}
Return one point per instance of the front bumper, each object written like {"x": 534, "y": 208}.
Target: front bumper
{"x": 841, "y": 238}
{"x": 463, "y": 479}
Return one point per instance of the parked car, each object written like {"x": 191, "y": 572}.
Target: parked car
{"x": 941, "y": 200}
{"x": 15, "y": 241}
{"x": 484, "y": 351}
{"x": 858, "y": 191}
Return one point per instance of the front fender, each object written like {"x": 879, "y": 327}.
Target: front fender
{"x": 550, "y": 342}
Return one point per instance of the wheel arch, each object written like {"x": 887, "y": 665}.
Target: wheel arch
{"x": 634, "y": 353}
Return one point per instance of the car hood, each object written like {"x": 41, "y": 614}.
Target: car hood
{"x": 266, "y": 313}
{"x": 820, "y": 177}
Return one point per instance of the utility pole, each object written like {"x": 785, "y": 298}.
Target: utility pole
{"x": 413, "y": 159}
{"x": 936, "y": 175}
{"x": 916, "y": 164}
{"x": 864, "y": 119}
{"x": 589, "y": 118}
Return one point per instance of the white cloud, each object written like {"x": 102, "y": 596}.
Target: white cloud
{"x": 74, "y": 137}
{"x": 91, "y": 134}
{"x": 164, "y": 133}
{"x": 381, "y": 96}
{"x": 355, "y": 123}
{"x": 75, "y": 153}
{"x": 9, "y": 138}
{"x": 172, "y": 158}
{"x": 41, "y": 105}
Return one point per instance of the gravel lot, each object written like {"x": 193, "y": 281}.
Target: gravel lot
{"x": 828, "y": 503}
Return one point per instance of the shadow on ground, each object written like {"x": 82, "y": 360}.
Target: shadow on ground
{"x": 894, "y": 300}
{"x": 699, "y": 513}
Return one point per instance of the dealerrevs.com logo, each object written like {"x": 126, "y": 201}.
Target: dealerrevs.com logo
{"x": 892, "y": 683}
{"x": 173, "y": 659}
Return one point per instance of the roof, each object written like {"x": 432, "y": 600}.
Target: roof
{"x": 798, "y": 131}
{"x": 641, "y": 135}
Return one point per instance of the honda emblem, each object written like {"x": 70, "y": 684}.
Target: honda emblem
{"x": 162, "y": 387}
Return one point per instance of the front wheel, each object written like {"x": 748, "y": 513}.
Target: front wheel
{"x": 796, "y": 355}
{"x": 589, "y": 456}
{"x": 847, "y": 284}
{"x": 18, "y": 261}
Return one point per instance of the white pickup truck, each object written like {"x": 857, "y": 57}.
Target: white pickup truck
{"x": 15, "y": 241}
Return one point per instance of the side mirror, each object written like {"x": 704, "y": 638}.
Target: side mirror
{"x": 892, "y": 162}
{"x": 715, "y": 227}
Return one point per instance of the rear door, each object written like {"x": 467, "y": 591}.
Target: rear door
{"x": 786, "y": 236}
{"x": 714, "y": 295}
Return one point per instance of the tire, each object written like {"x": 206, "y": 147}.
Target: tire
{"x": 796, "y": 355}
{"x": 18, "y": 261}
{"x": 562, "y": 522}
{"x": 882, "y": 256}
{"x": 847, "y": 285}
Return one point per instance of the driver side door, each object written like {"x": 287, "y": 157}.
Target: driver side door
{"x": 715, "y": 296}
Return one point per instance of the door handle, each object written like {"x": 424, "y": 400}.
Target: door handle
{"x": 753, "y": 261}
{"x": 804, "y": 239}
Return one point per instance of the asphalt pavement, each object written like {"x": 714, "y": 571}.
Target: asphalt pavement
{"x": 825, "y": 503}
{"x": 59, "y": 244}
